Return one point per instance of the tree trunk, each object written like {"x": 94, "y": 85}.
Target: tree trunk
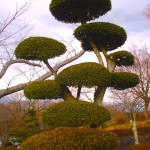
{"x": 66, "y": 94}
{"x": 146, "y": 105}
{"x": 99, "y": 95}
{"x": 96, "y": 51}
{"x": 134, "y": 127}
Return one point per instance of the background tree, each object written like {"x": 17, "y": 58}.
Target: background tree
{"x": 12, "y": 116}
{"x": 146, "y": 11}
{"x": 142, "y": 68}
{"x": 129, "y": 103}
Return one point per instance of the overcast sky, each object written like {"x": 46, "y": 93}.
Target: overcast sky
{"x": 126, "y": 13}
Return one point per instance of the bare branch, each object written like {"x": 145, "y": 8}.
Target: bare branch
{"x": 20, "y": 87}
{"x": 7, "y": 64}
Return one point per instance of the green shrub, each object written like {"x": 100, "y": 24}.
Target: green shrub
{"x": 122, "y": 58}
{"x": 142, "y": 146}
{"x": 72, "y": 139}
{"x": 124, "y": 80}
{"x": 76, "y": 11}
{"x": 85, "y": 74}
{"x": 47, "y": 89}
{"x": 39, "y": 48}
{"x": 102, "y": 34}
{"x": 75, "y": 113}
{"x": 6, "y": 143}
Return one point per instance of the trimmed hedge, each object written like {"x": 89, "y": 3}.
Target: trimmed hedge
{"x": 102, "y": 34}
{"x": 72, "y": 139}
{"x": 48, "y": 89}
{"x": 76, "y": 11}
{"x": 141, "y": 146}
{"x": 84, "y": 74}
{"x": 75, "y": 113}
{"x": 124, "y": 80}
{"x": 122, "y": 58}
{"x": 39, "y": 48}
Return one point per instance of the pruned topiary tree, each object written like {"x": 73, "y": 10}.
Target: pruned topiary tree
{"x": 101, "y": 38}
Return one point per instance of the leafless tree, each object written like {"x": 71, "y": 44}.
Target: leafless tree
{"x": 142, "y": 68}
{"x": 127, "y": 102}
{"x": 146, "y": 11}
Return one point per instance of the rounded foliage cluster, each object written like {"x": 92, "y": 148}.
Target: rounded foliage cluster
{"x": 84, "y": 74}
{"x": 74, "y": 113}
{"x": 47, "y": 89}
{"x": 39, "y": 48}
{"x": 102, "y": 34}
{"x": 76, "y": 11}
{"x": 72, "y": 139}
{"x": 122, "y": 58}
{"x": 124, "y": 80}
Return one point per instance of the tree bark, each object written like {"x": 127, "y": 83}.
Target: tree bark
{"x": 134, "y": 127}
{"x": 96, "y": 51}
{"x": 146, "y": 105}
{"x": 66, "y": 94}
{"x": 99, "y": 95}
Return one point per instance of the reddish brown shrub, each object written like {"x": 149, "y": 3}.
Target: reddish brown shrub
{"x": 72, "y": 139}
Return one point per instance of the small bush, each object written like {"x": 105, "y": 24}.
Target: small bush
{"x": 119, "y": 118}
{"x": 142, "y": 146}
{"x": 140, "y": 116}
{"x": 72, "y": 139}
{"x": 7, "y": 143}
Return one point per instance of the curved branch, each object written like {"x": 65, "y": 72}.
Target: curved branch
{"x": 20, "y": 87}
{"x": 9, "y": 63}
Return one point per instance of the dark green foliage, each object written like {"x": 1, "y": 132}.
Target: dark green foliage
{"x": 39, "y": 48}
{"x": 84, "y": 74}
{"x": 47, "y": 89}
{"x": 122, "y": 58}
{"x": 6, "y": 143}
{"x": 75, "y": 113}
{"x": 32, "y": 121}
{"x": 76, "y": 11}
{"x": 124, "y": 80}
{"x": 141, "y": 146}
{"x": 72, "y": 139}
{"x": 31, "y": 112}
{"x": 102, "y": 34}
{"x": 18, "y": 134}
